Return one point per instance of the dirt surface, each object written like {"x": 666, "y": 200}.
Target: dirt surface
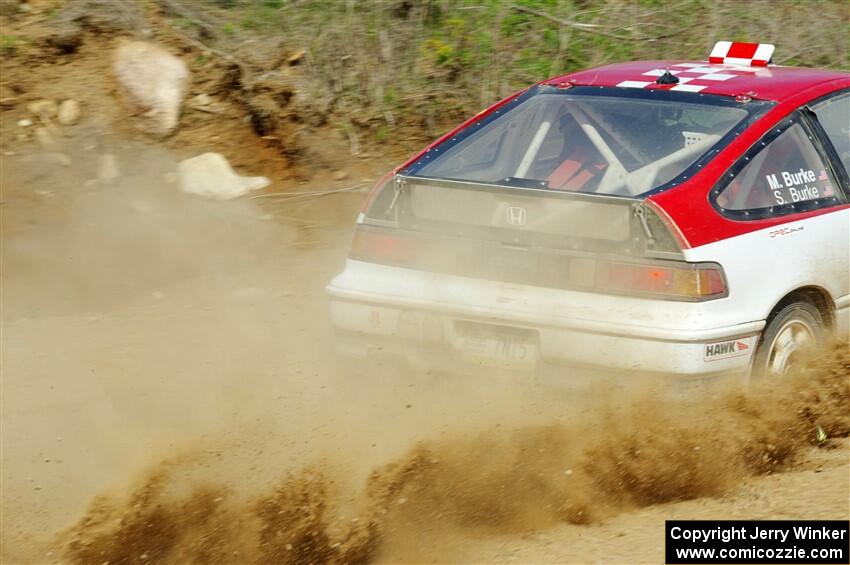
{"x": 168, "y": 396}
{"x": 168, "y": 392}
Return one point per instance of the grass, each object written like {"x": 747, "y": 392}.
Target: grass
{"x": 9, "y": 44}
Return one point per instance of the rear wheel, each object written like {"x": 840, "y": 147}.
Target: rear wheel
{"x": 793, "y": 329}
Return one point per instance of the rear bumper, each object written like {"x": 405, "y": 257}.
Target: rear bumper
{"x": 426, "y": 332}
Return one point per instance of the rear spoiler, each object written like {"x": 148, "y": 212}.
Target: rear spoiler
{"x": 526, "y": 215}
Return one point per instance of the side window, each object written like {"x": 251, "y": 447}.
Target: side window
{"x": 834, "y": 116}
{"x": 785, "y": 175}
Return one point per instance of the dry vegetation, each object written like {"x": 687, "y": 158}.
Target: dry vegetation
{"x": 397, "y": 72}
{"x": 373, "y": 63}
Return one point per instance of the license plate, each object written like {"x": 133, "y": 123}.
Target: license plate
{"x": 497, "y": 346}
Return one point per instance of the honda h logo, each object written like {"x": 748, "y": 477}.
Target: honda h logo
{"x": 515, "y": 216}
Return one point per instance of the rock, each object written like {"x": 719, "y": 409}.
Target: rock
{"x": 340, "y": 175}
{"x": 8, "y": 7}
{"x": 24, "y": 123}
{"x": 108, "y": 170}
{"x": 69, "y": 112}
{"x": 74, "y": 20}
{"x": 202, "y": 100}
{"x": 8, "y": 98}
{"x": 211, "y": 175}
{"x": 66, "y": 38}
{"x": 154, "y": 82}
{"x": 296, "y": 57}
{"x": 43, "y": 108}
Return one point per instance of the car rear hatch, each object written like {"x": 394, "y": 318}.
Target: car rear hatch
{"x": 531, "y": 236}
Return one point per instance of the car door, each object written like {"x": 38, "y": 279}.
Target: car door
{"x": 792, "y": 174}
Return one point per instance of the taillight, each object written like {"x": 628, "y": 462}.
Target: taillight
{"x": 671, "y": 280}
{"x": 688, "y": 281}
{"x": 392, "y": 247}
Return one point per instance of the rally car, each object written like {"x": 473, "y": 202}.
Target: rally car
{"x": 686, "y": 217}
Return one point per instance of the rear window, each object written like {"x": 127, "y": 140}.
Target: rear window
{"x": 595, "y": 140}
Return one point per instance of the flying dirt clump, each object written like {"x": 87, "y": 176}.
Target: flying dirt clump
{"x": 628, "y": 452}
{"x": 152, "y": 531}
{"x": 625, "y": 455}
{"x": 165, "y": 520}
{"x": 294, "y": 525}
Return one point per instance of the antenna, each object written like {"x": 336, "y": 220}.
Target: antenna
{"x": 667, "y": 78}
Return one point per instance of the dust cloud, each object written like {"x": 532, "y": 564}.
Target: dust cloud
{"x": 167, "y": 373}
{"x": 625, "y": 454}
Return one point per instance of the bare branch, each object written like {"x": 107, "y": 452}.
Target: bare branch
{"x": 591, "y": 28}
{"x": 309, "y": 194}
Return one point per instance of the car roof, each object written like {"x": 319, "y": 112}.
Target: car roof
{"x": 773, "y": 82}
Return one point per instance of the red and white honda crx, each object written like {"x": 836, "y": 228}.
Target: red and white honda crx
{"x": 682, "y": 217}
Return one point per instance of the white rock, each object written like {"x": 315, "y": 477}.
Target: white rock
{"x": 154, "y": 81}
{"x": 211, "y": 175}
{"x": 24, "y": 123}
{"x": 202, "y": 100}
{"x": 108, "y": 170}
{"x": 69, "y": 112}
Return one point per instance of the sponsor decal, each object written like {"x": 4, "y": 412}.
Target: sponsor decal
{"x": 785, "y": 231}
{"x": 727, "y": 349}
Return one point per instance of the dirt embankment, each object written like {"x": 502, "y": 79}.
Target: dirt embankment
{"x": 252, "y": 104}
{"x": 622, "y": 455}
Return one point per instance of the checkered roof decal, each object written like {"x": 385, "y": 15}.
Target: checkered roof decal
{"x": 693, "y": 77}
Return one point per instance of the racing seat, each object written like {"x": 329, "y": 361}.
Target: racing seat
{"x": 581, "y": 162}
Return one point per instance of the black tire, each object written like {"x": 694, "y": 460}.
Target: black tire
{"x": 802, "y": 323}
